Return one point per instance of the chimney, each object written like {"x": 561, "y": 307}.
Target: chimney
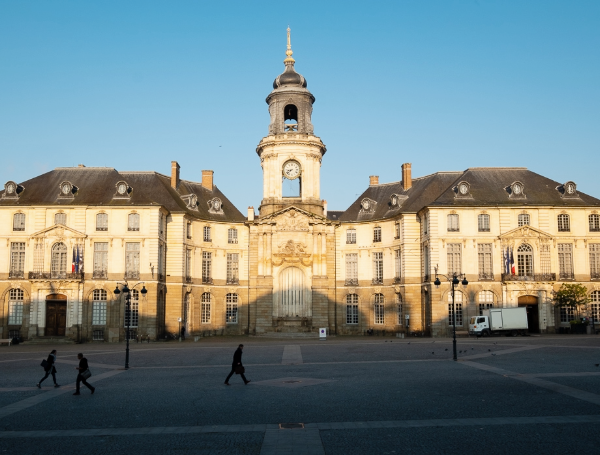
{"x": 250, "y": 213}
{"x": 207, "y": 180}
{"x": 174, "y": 174}
{"x": 324, "y": 208}
{"x": 373, "y": 180}
{"x": 406, "y": 177}
{"x": 80, "y": 165}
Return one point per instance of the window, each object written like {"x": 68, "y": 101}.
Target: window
{"x": 19, "y": 222}
{"x": 102, "y": 222}
{"x": 232, "y": 236}
{"x": 15, "y": 307}
{"x": 161, "y": 222}
{"x": 594, "y": 221}
{"x": 399, "y": 309}
{"x": 58, "y": 268}
{"x": 207, "y": 237}
{"x": 453, "y": 223}
{"x": 133, "y": 222}
{"x": 379, "y": 309}
{"x": 484, "y": 253}
{"x": 100, "y": 260}
{"x": 233, "y": 275}
{"x": 398, "y": 264}
{"x": 523, "y": 220}
{"x": 426, "y": 267}
{"x": 206, "y": 267}
{"x": 38, "y": 256}
{"x": 545, "y": 259}
{"x": 352, "y": 268}
{"x": 595, "y": 306}
{"x": 134, "y": 305}
{"x": 486, "y": 301}
{"x": 397, "y": 231}
{"x": 594, "y": 260}
{"x": 205, "y": 308}
{"x": 458, "y": 301}
{"x": 132, "y": 260}
{"x": 188, "y": 265}
{"x": 525, "y": 260}
{"x": 17, "y": 260}
{"x": 378, "y": 268}
{"x": 425, "y": 224}
{"x": 377, "y": 234}
{"x": 564, "y": 224}
{"x": 565, "y": 261}
{"x": 483, "y": 223}
{"x": 99, "y": 307}
{"x": 162, "y": 253}
{"x": 567, "y": 314}
{"x": 188, "y": 230}
{"x": 60, "y": 218}
{"x": 352, "y": 309}
{"x": 98, "y": 335}
{"x": 453, "y": 253}
{"x": 351, "y": 236}
{"x": 231, "y": 308}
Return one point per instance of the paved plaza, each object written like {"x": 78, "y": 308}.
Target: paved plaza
{"x": 370, "y": 395}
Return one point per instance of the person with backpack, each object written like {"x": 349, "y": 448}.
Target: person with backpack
{"x": 49, "y": 368}
{"x": 83, "y": 374}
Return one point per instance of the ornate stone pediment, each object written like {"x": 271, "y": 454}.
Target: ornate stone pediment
{"x": 293, "y": 219}
{"x": 291, "y": 251}
{"x": 525, "y": 233}
{"x": 58, "y": 232}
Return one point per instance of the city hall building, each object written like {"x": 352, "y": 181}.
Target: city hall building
{"x": 69, "y": 237}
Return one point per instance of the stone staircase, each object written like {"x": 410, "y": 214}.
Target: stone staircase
{"x": 49, "y": 340}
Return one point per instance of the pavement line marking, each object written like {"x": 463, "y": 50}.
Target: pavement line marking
{"x": 302, "y": 442}
{"x": 40, "y": 398}
{"x": 321, "y": 426}
{"x": 92, "y": 364}
{"x": 292, "y": 355}
{"x": 227, "y": 365}
{"x": 19, "y": 389}
{"x": 504, "y": 351}
{"x": 558, "y": 388}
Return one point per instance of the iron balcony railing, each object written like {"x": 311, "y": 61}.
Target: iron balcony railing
{"x": 207, "y": 280}
{"x": 532, "y": 277}
{"x": 351, "y": 282}
{"x": 377, "y": 281}
{"x": 131, "y": 275}
{"x": 16, "y": 274}
{"x": 100, "y": 275}
{"x": 566, "y": 276}
{"x": 188, "y": 279}
{"x": 233, "y": 281}
{"x": 485, "y": 276}
{"x": 55, "y": 276}
{"x": 397, "y": 279}
{"x": 595, "y": 275}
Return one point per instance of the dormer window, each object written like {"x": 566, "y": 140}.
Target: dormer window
{"x": 463, "y": 189}
{"x": 12, "y": 190}
{"x": 191, "y": 201}
{"x": 60, "y": 218}
{"x": 215, "y": 206}
{"x": 569, "y": 189}
{"x": 516, "y": 190}
{"x": 67, "y": 189}
{"x": 123, "y": 189}
{"x": 367, "y": 206}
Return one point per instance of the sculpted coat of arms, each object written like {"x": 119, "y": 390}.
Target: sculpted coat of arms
{"x": 291, "y": 251}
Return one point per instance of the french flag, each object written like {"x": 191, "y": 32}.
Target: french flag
{"x": 73, "y": 262}
{"x": 512, "y": 262}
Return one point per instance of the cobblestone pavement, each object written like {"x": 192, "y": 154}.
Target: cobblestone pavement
{"x": 341, "y": 396}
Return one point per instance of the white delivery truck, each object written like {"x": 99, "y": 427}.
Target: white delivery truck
{"x": 510, "y": 321}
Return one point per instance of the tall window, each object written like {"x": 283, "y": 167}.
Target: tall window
{"x": 426, "y": 267}
{"x": 232, "y": 236}
{"x": 132, "y": 260}
{"x": 453, "y": 223}
{"x": 378, "y": 268}
{"x": 15, "y": 307}
{"x": 188, "y": 230}
{"x": 399, "y": 309}
{"x": 483, "y": 223}
{"x": 99, "y": 307}
{"x": 453, "y": 253}
{"x": 567, "y": 314}
{"x": 351, "y": 236}
{"x": 545, "y": 264}
{"x": 486, "y": 301}
{"x": 379, "y": 309}
{"x": 594, "y": 260}
{"x": 60, "y": 218}
{"x": 58, "y": 268}
{"x": 377, "y": 234}
{"x": 205, "y": 308}
{"x": 206, "y": 267}
{"x": 102, "y": 222}
{"x": 594, "y": 221}
{"x": 100, "y": 260}
{"x": 161, "y": 223}
{"x": 352, "y": 309}
{"x": 398, "y": 264}
{"x": 565, "y": 261}
{"x": 207, "y": 235}
{"x": 397, "y": 231}
{"x": 564, "y": 224}
{"x": 523, "y": 220}
{"x": 231, "y": 308}
{"x": 133, "y": 222}
{"x": 484, "y": 254}
{"x": 38, "y": 256}
{"x": 134, "y": 312}
{"x": 17, "y": 260}
{"x": 425, "y": 224}
{"x": 233, "y": 267}
{"x": 19, "y": 222}
{"x": 458, "y": 302}
{"x": 188, "y": 264}
{"x": 352, "y": 268}
{"x": 595, "y": 306}
{"x": 525, "y": 260}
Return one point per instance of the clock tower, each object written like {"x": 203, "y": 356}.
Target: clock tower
{"x": 291, "y": 154}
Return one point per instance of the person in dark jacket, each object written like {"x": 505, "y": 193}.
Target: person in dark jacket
{"x": 237, "y": 364}
{"x": 83, "y": 365}
{"x": 49, "y": 369}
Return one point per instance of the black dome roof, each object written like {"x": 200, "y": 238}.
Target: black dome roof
{"x": 289, "y": 77}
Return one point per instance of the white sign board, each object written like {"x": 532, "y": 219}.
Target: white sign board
{"x": 322, "y": 333}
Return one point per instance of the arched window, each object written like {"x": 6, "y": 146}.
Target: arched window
{"x": 564, "y": 224}
{"x": 102, "y": 222}
{"x": 205, "y": 308}
{"x": 458, "y": 305}
{"x": 379, "y": 309}
{"x": 399, "y": 308}
{"x": 58, "y": 267}
{"x": 60, "y": 218}
{"x": 525, "y": 260}
{"x": 134, "y": 311}
{"x": 486, "y": 300}
{"x": 15, "y": 307}
{"x": 352, "y": 309}
{"x": 99, "y": 297}
{"x": 595, "y": 306}
{"x": 231, "y": 308}
{"x": 133, "y": 222}
{"x": 19, "y": 222}
{"x": 290, "y": 117}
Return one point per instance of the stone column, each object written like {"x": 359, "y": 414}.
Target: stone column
{"x": 315, "y": 254}
{"x": 269, "y": 253}
{"x": 260, "y": 246}
{"x": 323, "y": 254}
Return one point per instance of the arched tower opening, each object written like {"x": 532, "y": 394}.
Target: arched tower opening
{"x": 290, "y": 118}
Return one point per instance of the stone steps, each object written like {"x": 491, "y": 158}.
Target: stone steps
{"x": 49, "y": 340}
{"x": 288, "y": 335}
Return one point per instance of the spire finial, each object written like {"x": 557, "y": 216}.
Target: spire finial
{"x": 289, "y": 60}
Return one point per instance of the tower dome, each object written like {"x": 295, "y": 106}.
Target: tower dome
{"x": 289, "y": 77}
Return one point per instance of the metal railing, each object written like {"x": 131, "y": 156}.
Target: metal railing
{"x": 100, "y": 275}
{"x": 233, "y": 280}
{"x": 206, "y": 280}
{"x": 55, "y": 276}
{"x": 483, "y": 276}
{"x": 132, "y": 275}
{"x": 351, "y": 282}
{"x": 377, "y": 281}
{"x": 532, "y": 277}
{"x": 595, "y": 275}
{"x": 566, "y": 276}
{"x": 16, "y": 274}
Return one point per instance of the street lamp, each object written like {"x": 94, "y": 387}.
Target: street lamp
{"x": 454, "y": 281}
{"x": 127, "y": 292}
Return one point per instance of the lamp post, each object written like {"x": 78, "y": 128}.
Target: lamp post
{"x": 454, "y": 281}
{"x": 127, "y": 293}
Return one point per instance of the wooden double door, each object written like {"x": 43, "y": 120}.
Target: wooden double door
{"x": 56, "y": 315}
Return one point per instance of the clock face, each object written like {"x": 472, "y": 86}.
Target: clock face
{"x": 464, "y": 189}
{"x": 122, "y": 188}
{"x": 291, "y": 170}
{"x": 10, "y": 189}
{"x": 517, "y": 189}
{"x": 65, "y": 189}
{"x": 570, "y": 188}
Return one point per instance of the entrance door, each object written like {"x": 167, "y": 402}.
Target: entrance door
{"x": 530, "y": 302}
{"x": 56, "y": 315}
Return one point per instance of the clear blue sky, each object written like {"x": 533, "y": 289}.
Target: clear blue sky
{"x": 445, "y": 85}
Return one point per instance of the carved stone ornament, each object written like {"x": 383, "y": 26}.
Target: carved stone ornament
{"x": 568, "y": 190}
{"x": 367, "y": 206}
{"x": 67, "y": 190}
{"x": 516, "y": 190}
{"x": 123, "y": 189}
{"x": 191, "y": 201}
{"x": 528, "y": 233}
{"x": 291, "y": 251}
{"x": 292, "y": 221}
{"x": 215, "y": 206}
{"x": 463, "y": 189}
{"x": 12, "y": 190}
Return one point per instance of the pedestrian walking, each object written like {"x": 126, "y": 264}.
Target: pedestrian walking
{"x": 237, "y": 367}
{"x": 50, "y": 369}
{"x": 83, "y": 374}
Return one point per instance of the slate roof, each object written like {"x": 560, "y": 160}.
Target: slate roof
{"x": 96, "y": 186}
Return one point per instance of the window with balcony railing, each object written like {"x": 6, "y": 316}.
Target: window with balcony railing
{"x": 377, "y": 268}
{"x": 233, "y": 268}
{"x": 565, "y": 261}
{"x": 594, "y": 249}
{"x": 17, "y": 260}
{"x": 484, "y": 254}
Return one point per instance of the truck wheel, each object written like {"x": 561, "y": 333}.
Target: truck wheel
{"x": 485, "y": 333}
